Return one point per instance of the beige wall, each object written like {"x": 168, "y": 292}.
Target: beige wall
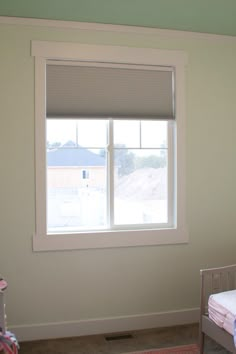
{"x": 123, "y": 281}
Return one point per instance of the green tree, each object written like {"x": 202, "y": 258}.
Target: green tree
{"x": 124, "y": 160}
{"x": 53, "y": 145}
{"x": 150, "y": 161}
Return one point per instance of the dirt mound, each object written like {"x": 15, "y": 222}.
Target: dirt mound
{"x": 145, "y": 183}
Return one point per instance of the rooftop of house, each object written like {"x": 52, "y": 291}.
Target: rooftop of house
{"x": 73, "y": 156}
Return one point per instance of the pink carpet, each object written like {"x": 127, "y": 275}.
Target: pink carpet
{"x": 183, "y": 349}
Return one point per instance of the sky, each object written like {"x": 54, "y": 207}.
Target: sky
{"x": 94, "y": 133}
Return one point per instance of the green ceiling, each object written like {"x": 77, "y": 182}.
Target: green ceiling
{"x": 210, "y": 16}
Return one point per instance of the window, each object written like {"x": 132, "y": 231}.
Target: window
{"x": 130, "y": 175}
{"x": 85, "y": 174}
{"x": 110, "y": 141}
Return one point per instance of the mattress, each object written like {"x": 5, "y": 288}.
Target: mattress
{"x": 222, "y": 310}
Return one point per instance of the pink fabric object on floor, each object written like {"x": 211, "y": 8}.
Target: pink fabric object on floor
{"x": 8, "y": 343}
{"x": 3, "y": 284}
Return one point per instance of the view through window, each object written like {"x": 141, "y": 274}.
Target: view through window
{"x": 106, "y": 174}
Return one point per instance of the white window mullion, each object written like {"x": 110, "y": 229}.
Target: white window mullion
{"x": 140, "y": 134}
{"x": 110, "y": 176}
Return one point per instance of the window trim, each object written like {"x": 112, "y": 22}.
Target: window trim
{"x": 43, "y": 51}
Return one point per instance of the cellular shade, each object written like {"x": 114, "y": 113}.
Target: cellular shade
{"x": 116, "y": 92}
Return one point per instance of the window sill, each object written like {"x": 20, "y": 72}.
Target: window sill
{"x": 109, "y": 239}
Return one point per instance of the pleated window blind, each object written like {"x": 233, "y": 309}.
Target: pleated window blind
{"x": 101, "y": 91}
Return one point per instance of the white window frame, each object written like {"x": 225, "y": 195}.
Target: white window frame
{"x": 43, "y": 51}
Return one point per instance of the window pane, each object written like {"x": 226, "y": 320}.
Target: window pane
{"x": 126, "y": 133}
{"x": 92, "y": 133}
{"x": 76, "y": 185}
{"x": 60, "y": 132}
{"x": 154, "y": 134}
{"x": 140, "y": 186}
{"x": 76, "y": 132}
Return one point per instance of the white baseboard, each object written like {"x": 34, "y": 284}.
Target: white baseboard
{"x": 104, "y": 325}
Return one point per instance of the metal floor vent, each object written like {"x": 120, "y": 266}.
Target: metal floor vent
{"x": 119, "y": 337}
